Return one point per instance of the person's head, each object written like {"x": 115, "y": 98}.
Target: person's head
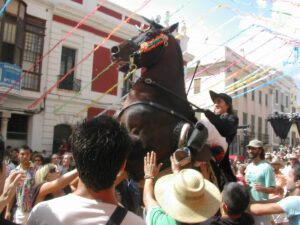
{"x": 189, "y": 197}
{"x": 14, "y": 154}
{"x": 24, "y": 154}
{"x": 100, "y": 148}
{"x": 55, "y": 159}
{"x": 293, "y": 179}
{"x": 255, "y": 149}
{"x": 277, "y": 164}
{"x": 222, "y": 103}
{"x": 235, "y": 199}
{"x": 8, "y": 148}
{"x": 241, "y": 168}
{"x": 46, "y": 173}
{"x": 38, "y": 160}
{"x": 268, "y": 157}
{"x": 293, "y": 159}
{"x": 67, "y": 158}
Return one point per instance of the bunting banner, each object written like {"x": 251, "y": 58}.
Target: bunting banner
{"x": 57, "y": 44}
{"x": 89, "y": 54}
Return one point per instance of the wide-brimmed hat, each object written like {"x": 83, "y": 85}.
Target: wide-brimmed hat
{"x": 187, "y": 196}
{"x": 225, "y": 97}
{"x": 277, "y": 160}
{"x": 293, "y": 156}
{"x": 255, "y": 144}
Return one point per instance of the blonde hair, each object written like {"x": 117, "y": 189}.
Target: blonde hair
{"x": 42, "y": 172}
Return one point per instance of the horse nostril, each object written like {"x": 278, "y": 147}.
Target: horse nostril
{"x": 115, "y": 50}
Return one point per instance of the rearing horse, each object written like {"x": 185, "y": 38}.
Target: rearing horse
{"x": 156, "y": 106}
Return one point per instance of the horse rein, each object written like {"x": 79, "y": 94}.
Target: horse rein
{"x": 157, "y": 106}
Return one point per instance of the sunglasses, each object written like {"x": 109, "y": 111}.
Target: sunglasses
{"x": 52, "y": 170}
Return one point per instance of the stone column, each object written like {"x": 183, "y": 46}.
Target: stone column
{"x": 5, "y": 117}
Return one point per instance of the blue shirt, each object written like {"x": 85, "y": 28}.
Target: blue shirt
{"x": 263, "y": 174}
{"x": 291, "y": 206}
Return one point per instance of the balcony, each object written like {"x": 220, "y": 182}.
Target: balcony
{"x": 69, "y": 83}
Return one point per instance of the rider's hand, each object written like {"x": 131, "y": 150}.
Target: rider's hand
{"x": 151, "y": 170}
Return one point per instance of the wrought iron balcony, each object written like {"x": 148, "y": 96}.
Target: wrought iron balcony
{"x": 69, "y": 83}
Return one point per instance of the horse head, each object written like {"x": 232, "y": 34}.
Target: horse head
{"x": 144, "y": 49}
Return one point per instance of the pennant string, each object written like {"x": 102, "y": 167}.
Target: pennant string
{"x": 58, "y": 43}
{"x": 79, "y": 92}
{"x": 89, "y": 54}
{"x": 5, "y": 5}
{"x": 94, "y": 102}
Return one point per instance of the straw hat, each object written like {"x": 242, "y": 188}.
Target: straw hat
{"x": 187, "y": 196}
{"x": 278, "y": 161}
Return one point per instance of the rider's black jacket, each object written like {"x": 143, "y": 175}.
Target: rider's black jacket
{"x": 227, "y": 125}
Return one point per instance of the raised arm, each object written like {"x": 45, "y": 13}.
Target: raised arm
{"x": 151, "y": 171}
{"x": 55, "y": 185}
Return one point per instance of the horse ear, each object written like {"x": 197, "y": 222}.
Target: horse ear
{"x": 170, "y": 29}
{"x": 152, "y": 23}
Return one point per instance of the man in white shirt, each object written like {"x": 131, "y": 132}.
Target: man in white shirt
{"x": 100, "y": 148}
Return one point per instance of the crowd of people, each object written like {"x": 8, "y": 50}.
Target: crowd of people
{"x": 88, "y": 183}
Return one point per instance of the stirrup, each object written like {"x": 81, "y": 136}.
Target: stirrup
{"x": 183, "y": 156}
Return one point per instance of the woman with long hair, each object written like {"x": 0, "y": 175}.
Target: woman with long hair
{"x": 49, "y": 182}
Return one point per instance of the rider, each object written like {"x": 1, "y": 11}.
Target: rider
{"x": 221, "y": 127}
{"x": 226, "y": 123}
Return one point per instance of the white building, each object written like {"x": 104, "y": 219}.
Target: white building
{"x": 235, "y": 75}
{"x": 29, "y": 29}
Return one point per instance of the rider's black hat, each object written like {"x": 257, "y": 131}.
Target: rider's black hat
{"x": 224, "y": 96}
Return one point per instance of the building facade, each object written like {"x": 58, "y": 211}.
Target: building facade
{"x": 236, "y": 76}
{"x": 29, "y": 30}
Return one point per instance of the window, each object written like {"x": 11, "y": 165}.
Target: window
{"x": 17, "y": 127}
{"x": 245, "y": 118}
{"x": 253, "y": 95}
{"x": 12, "y": 33}
{"x": 252, "y": 123}
{"x": 276, "y": 96}
{"x": 267, "y": 100}
{"x": 286, "y": 101}
{"x": 281, "y": 99}
{"x": 266, "y": 127}
{"x": 67, "y": 62}
{"x": 259, "y": 97}
{"x": 245, "y": 92}
{"x": 197, "y": 83}
{"x": 259, "y": 131}
{"x": 21, "y": 42}
{"x": 33, "y": 51}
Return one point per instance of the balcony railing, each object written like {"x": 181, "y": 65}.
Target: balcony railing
{"x": 69, "y": 83}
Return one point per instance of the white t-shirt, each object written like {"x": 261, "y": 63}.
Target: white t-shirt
{"x": 76, "y": 210}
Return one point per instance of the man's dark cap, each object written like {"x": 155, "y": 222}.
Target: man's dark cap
{"x": 224, "y": 96}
